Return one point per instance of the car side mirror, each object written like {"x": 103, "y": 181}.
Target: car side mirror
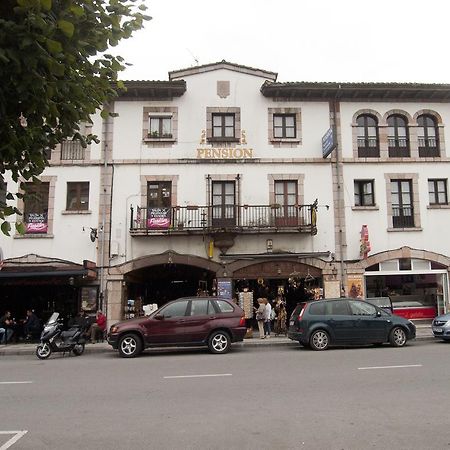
{"x": 159, "y": 317}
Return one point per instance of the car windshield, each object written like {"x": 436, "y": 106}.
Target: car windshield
{"x": 53, "y": 318}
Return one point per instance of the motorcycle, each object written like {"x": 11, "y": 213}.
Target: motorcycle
{"x": 54, "y": 339}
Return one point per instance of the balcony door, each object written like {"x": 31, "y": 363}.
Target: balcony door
{"x": 402, "y": 204}
{"x": 286, "y": 210}
{"x": 159, "y": 198}
{"x": 223, "y": 204}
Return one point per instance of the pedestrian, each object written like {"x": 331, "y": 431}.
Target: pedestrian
{"x": 267, "y": 318}
{"x": 260, "y": 312}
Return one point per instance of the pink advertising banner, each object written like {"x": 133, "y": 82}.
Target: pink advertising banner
{"x": 158, "y": 218}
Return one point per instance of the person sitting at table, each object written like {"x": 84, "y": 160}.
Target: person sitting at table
{"x": 7, "y": 323}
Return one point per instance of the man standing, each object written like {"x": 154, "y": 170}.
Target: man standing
{"x": 267, "y": 318}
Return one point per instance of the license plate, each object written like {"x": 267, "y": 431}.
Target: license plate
{"x": 291, "y": 323}
{"x": 437, "y": 329}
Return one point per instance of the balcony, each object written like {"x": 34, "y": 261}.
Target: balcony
{"x": 231, "y": 218}
{"x": 402, "y": 217}
{"x": 428, "y": 147}
{"x": 368, "y": 147}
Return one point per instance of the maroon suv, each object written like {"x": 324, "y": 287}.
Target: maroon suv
{"x": 210, "y": 321}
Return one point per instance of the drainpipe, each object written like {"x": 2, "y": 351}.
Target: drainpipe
{"x": 339, "y": 203}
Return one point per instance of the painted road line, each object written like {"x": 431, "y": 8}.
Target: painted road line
{"x": 14, "y": 439}
{"x": 390, "y": 367}
{"x": 16, "y": 382}
{"x": 200, "y": 376}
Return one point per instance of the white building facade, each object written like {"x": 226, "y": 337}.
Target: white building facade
{"x": 216, "y": 181}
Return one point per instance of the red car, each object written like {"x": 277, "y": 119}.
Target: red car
{"x": 210, "y": 321}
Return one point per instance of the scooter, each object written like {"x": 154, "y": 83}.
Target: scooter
{"x": 54, "y": 339}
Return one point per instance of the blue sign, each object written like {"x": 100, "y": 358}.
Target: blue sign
{"x": 328, "y": 142}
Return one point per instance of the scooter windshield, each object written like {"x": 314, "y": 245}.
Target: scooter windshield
{"x": 53, "y": 318}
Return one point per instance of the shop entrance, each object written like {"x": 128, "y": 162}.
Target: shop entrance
{"x": 165, "y": 282}
{"x": 417, "y": 288}
{"x": 41, "y": 297}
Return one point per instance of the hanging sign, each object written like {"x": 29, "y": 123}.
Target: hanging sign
{"x": 158, "y": 218}
{"x": 328, "y": 142}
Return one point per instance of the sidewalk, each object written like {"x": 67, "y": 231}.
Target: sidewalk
{"x": 422, "y": 332}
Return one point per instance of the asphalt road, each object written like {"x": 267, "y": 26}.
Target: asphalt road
{"x": 257, "y": 398}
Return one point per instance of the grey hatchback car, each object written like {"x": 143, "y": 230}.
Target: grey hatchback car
{"x": 345, "y": 321}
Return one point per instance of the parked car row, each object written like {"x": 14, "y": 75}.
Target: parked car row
{"x": 217, "y": 323}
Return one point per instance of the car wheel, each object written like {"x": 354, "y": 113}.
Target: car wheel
{"x": 319, "y": 340}
{"x": 130, "y": 346}
{"x": 78, "y": 350}
{"x": 397, "y": 338}
{"x": 219, "y": 342}
{"x": 43, "y": 351}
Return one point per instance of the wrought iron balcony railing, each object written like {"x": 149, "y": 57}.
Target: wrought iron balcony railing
{"x": 403, "y": 217}
{"x": 237, "y": 218}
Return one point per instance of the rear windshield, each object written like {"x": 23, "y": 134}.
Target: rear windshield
{"x": 297, "y": 309}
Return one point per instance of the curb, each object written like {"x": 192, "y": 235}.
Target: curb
{"x": 104, "y": 348}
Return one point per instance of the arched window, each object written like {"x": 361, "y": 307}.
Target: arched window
{"x": 368, "y": 143}
{"x": 428, "y": 135}
{"x": 398, "y": 138}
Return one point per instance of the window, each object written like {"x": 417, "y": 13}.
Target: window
{"x": 317, "y": 309}
{"x": 364, "y": 193}
{"x": 286, "y": 195}
{"x": 368, "y": 144}
{"x": 200, "y": 307}
{"x": 337, "y": 308}
{"x": 437, "y": 190}
{"x": 177, "y": 309}
{"x": 223, "y": 203}
{"x": 160, "y": 127}
{"x": 223, "y": 126}
{"x": 224, "y": 306}
{"x": 398, "y": 140}
{"x": 402, "y": 204}
{"x": 284, "y": 126}
{"x": 77, "y": 196}
{"x": 36, "y": 207}
{"x": 362, "y": 309}
{"x": 428, "y": 136}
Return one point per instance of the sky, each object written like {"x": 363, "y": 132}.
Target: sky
{"x": 301, "y": 40}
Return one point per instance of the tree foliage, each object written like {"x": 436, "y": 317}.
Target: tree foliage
{"x": 54, "y": 74}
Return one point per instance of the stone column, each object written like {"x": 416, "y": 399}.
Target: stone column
{"x": 115, "y": 301}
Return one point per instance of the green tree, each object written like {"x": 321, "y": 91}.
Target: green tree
{"x": 54, "y": 74}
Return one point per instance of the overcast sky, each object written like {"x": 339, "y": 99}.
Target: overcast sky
{"x": 301, "y": 40}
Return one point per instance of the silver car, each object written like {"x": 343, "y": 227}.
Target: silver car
{"x": 441, "y": 327}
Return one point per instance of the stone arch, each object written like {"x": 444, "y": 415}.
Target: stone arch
{"x": 286, "y": 265}
{"x": 164, "y": 258}
{"x": 403, "y": 252}
{"x": 399, "y": 112}
{"x": 371, "y": 112}
{"x": 430, "y": 112}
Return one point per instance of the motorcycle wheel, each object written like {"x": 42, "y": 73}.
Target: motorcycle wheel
{"x": 43, "y": 351}
{"x": 78, "y": 349}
